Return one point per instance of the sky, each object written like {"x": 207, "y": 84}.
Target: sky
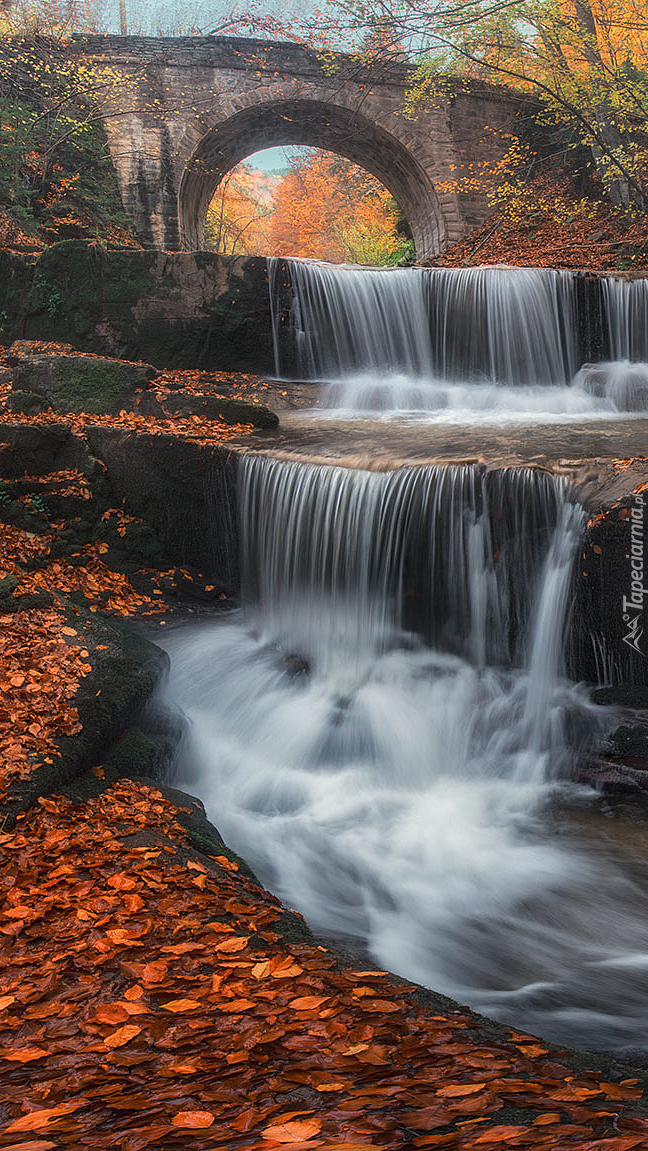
{"x": 271, "y": 159}
{"x": 166, "y": 17}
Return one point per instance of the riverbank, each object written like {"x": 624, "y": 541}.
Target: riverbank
{"x": 154, "y": 995}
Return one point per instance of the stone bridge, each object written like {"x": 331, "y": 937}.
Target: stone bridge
{"x": 184, "y": 111}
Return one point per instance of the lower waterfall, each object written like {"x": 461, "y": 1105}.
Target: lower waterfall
{"x": 386, "y": 734}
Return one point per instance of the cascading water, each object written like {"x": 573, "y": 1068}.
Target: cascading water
{"x": 458, "y": 344}
{"x": 384, "y": 728}
{"x": 626, "y": 309}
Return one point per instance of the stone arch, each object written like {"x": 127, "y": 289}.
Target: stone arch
{"x": 318, "y": 124}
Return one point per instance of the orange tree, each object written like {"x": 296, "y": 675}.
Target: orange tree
{"x": 238, "y": 218}
{"x": 586, "y": 60}
{"x": 330, "y": 209}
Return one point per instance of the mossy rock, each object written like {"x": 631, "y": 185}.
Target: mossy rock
{"x": 80, "y": 383}
{"x": 27, "y": 403}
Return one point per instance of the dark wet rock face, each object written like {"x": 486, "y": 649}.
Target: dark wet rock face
{"x": 174, "y": 309}
{"x": 223, "y": 408}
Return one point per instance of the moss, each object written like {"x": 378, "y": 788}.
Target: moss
{"x": 204, "y": 836}
{"x": 91, "y": 387}
{"x": 16, "y": 274}
{"x": 26, "y": 402}
{"x": 38, "y": 599}
{"x": 7, "y": 585}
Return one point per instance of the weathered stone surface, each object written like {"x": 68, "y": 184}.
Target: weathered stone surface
{"x": 222, "y": 408}
{"x": 16, "y": 274}
{"x": 190, "y": 109}
{"x": 177, "y": 310}
{"x": 82, "y": 383}
{"x": 186, "y": 491}
{"x": 609, "y": 626}
{"x": 26, "y": 449}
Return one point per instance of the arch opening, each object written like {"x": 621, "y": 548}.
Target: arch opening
{"x": 306, "y": 203}
{"x": 317, "y": 125}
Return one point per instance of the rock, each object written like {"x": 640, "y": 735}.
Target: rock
{"x": 222, "y": 408}
{"x": 78, "y": 383}
{"x": 27, "y": 403}
{"x": 26, "y": 448}
{"x": 126, "y": 669}
{"x": 185, "y": 491}
{"x": 174, "y": 309}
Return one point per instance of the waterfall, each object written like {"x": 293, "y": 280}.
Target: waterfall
{"x": 385, "y": 726}
{"x": 460, "y": 343}
{"x": 384, "y": 729}
{"x": 508, "y": 325}
{"x": 626, "y": 310}
{"x": 345, "y": 319}
{"x": 341, "y": 561}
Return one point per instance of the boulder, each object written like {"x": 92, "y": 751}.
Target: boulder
{"x": 78, "y": 383}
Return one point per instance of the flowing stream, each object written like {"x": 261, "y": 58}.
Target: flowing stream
{"x": 461, "y": 345}
{"x": 385, "y": 730}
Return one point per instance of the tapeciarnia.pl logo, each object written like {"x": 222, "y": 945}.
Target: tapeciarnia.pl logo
{"x": 633, "y": 605}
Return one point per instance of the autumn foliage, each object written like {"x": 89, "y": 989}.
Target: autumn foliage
{"x": 542, "y": 222}
{"x": 324, "y": 207}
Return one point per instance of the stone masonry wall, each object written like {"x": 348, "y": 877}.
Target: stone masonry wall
{"x": 188, "y": 109}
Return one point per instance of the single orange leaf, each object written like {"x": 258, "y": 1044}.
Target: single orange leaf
{"x": 501, "y": 1134}
{"x": 260, "y": 970}
{"x": 122, "y": 1035}
{"x": 385, "y": 1006}
{"x": 34, "y": 1120}
{"x": 110, "y": 1013}
{"x": 296, "y": 1131}
{"x": 22, "y": 1054}
{"x": 231, "y": 1006}
{"x": 178, "y": 1005}
{"x": 459, "y": 1089}
{"x": 195, "y": 1119}
{"x": 308, "y": 1002}
{"x": 234, "y": 943}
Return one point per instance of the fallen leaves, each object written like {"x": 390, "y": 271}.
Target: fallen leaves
{"x": 261, "y": 1046}
{"x": 553, "y": 227}
{"x": 22, "y": 1054}
{"x": 36, "y": 701}
{"x": 292, "y": 1132}
{"x": 122, "y": 1035}
{"x": 36, "y": 1120}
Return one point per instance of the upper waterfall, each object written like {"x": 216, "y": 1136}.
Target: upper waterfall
{"x": 459, "y": 341}
{"x": 508, "y": 325}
